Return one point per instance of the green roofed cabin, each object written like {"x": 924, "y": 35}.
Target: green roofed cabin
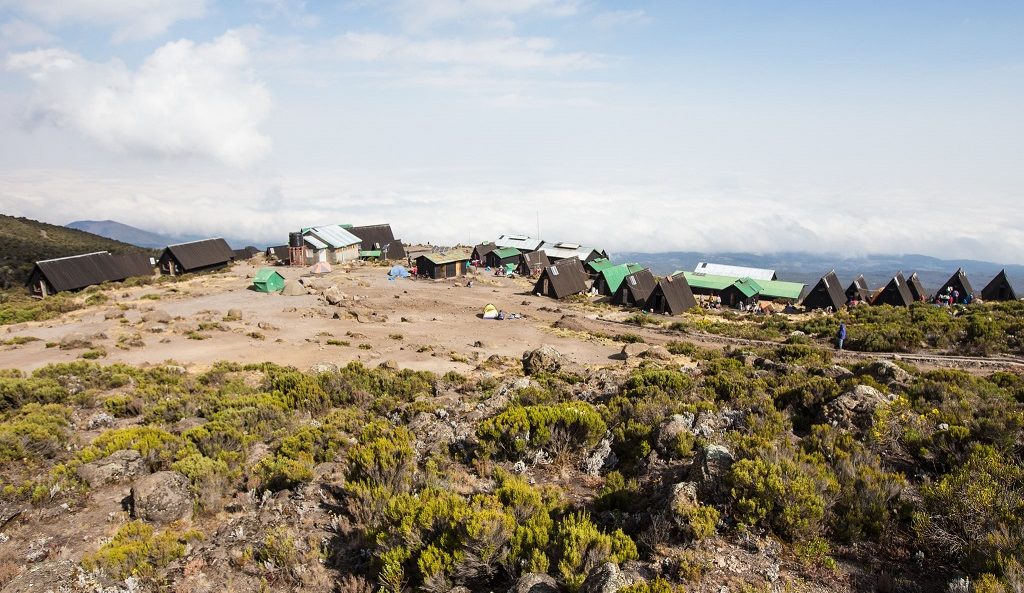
{"x": 268, "y": 280}
{"x": 370, "y": 254}
{"x": 730, "y": 290}
{"x": 779, "y": 290}
{"x": 594, "y": 267}
{"x": 610, "y": 278}
{"x": 503, "y": 256}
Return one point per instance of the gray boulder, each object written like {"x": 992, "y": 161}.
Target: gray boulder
{"x": 606, "y": 578}
{"x": 117, "y": 467}
{"x": 886, "y": 372}
{"x": 710, "y": 468}
{"x": 855, "y": 409}
{"x": 74, "y": 341}
{"x": 535, "y": 582}
{"x": 657, "y": 353}
{"x": 156, "y": 316}
{"x": 162, "y": 497}
{"x": 543, "y": 359}
{"x": 334, "y": 296}
{"x": 323, "y": 367}
{"x": 671, "y": 429}
{"x": 600, "y": 458}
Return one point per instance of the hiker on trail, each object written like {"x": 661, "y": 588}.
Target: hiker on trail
{"x": 840, "y": 336}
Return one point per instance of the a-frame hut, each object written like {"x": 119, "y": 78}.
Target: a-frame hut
{"x": 999, "y": 289}
{"x": 533, "y": 263}
{"x": 564, "y": 278}
{"x": 671, "y": 296}
{"x": 480, "y": 251}
{"x": 895, "y": 293}
{"x": 635, "y": 289}
{"x": 858, "y": 291}
{"x": 958, "y": 283}
{"x": 916, "y": 288}
{"x": 609, "y": 280}
{"x": 826, "y": 294}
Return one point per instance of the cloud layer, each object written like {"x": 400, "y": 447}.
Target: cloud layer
{"x": 131, "y": 19}
{"x": 184, "y": 100}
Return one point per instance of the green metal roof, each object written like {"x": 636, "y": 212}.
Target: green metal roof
{"x": 748, "y": 286}
{"x": 614, "y": 275}
{"x": 779, "y": 289}
{"x": 370, "y": 253}
{"x": 599, "y": 264}
{"x": 264, "y": 274}
{"x": 506, "y": 252}
{"x": 708, "y": 281}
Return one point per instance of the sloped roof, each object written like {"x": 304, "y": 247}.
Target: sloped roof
{"x": 601, "y": 263}
{"x": 520, "y": 242}
{"x": 826, "y": 293}
{"x": 916, "y": 289}
{"x": 959, "y": 282}
{"x": 895, "y": 293}
{"x": 638, "y": 285}
{"x": 708, "y": 281}
{"x": 374, "y": 237}
{"x": 999, "y": 289}
{"x": 566, "y": 277}
{"x": 533, "y": 259}
{"x": 446, "y": 258}
{"x": 201, "y": 254}
{"x": 504, "y": 252}
{"x": 779, "y": 289}
{"x": 734, "y": 271}
{"x": 858, "y": 289}
{"x": 481, "y": 250}
{"x": 333, "y": 236}
{"x": 79, "y": 271}
{"x": 134, "y": 264}
{"x": 614, "y": 275}
{"x": 748, "y": 287}
{"x": 264, "y": 274}
{"x": 564, "y": 250}
{"x": 676, "y": 292}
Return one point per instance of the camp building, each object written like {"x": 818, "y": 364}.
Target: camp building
{"x": 594, "y": 266}
{"x": 50, "y": 276}
{"x": 561, "y": 279}
{"x": 332, "y": 244}
{"x": 481, "y": 251}
{"x": 895, "y": 293}
{"x": 671, "y": 296}
{"x": 277, "y": 252}
{"x": 780, "y": 290}
{"x": 610, "y": 278}
{"x": 916, "y": 288}
{"x": 635, "y": 289}
{"x": 521, "y": 242}
{"x": 734, "y": 271}
{"x": 957, "y": 282}
{"x": 503, "y": 256}
{"x": 195, "y": 256}
{"x": 443, "y": 265}
{"x": 858, "y": 290}
{"x": 533, "y": 263}
{"x": 999, "y": 289}
{"x": 377, "y": 240}
{"x": 731, "y": 290}
{"x": 826, "y": 294}
{"x": 559, "y": 251}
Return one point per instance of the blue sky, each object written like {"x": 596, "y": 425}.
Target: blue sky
{"x": 846, "y": 127}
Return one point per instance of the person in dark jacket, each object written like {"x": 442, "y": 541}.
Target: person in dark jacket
{"x": 840, "y": 336}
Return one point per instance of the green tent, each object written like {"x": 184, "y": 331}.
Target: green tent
{"x": 268, "y": 280}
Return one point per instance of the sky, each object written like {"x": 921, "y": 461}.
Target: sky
{"x": 760, "y": 126}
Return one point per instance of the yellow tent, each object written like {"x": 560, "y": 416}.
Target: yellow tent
{"x": 490, "y": 312}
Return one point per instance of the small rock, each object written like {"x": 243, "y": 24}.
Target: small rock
{"x": 601, "y": 458}
{"x": 156, "y": 316}
{"x": 855, "y": 409}
{"x": 657, "y": 353}
{"x": 162, "y": 497}
{"x": 74, "y": 341}
{"x": 323, "y": 367}
{"x": 99, "y": 420}
{"x": 265, "y": 325}
{"x": 534, "y": 582}
{"x": 116, "y": 467}
{"x": 886, "y": 372}
{"x": 668, "y": 433}
{"x": 334, "y": 296}
{"x": 606, "y": 578}
{"x": 543, "y": 359}
{"x": 633, "y": 350}
{"x": 389, "y": 364}
{"x": 235, "y": 313}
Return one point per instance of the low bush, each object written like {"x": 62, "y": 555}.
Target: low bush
{"x": 137, "y": 550}
{"x": 566, "y": 425}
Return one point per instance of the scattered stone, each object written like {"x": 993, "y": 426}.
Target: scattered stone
{"x": 234, "y": 313}
{"x": 176, "y": 369}
{"x": 525, "y": 303}
{"x": 266, "y": 325}
{"x": 323, "y": 367}
{"x": 836, "y": 372}
{"x": 293, "y": 289}
{"x": 569, "y": 322}
{"x": 99, "y": 420}
{"x": 684, "y": 496}
{"x": 543, "y": 359}
{"x": 162, "y": 497}
{"x": 74, "y": 341}
{"x": 535, "y": 582}
{"x": 606, "y": 578}
{"x": 630, "y": 351}
{"x": 478, "y": 344}
{"x": 855, "y": 409}
{"x": 600, "y": 458}
{"x": 886, "y": 372}
{"x": 710, "y": 468}
{"x": 668, "y": 433}
{"x": 113, "y": 314}
{"x": 519, "y": 467}
{"x": 116, "y": 467}
{"x": 334, "y": 296}
{"x": 657, "y": 353}
{"x": 156, "y": 316}
{"x": 389, "y": 364}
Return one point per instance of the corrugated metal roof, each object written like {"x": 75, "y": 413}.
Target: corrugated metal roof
{"x": 638, "y": 285}
{"x": 749, "y": 287}
{"x": 563, "y": 278}
{"x": 375, "y": 236}
{"x": 201, "y": 254}
{"x": 708, "y": 281}
{"x": 79, "y": 271}
{"x": 504, "y": 252}
{"x": 446, "y": 258}
{"x": 778, "y": 289}
{"x": 599, "y": 264}
{"x": 333, "y": 236}
{"x": 614, "y": 275}
{"x": 733, "y": 271}
{"x": 564, "y": 250}
{"x": 520, "y": 242}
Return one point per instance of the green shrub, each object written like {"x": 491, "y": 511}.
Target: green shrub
{"x": 16, "y": 392}
{"x": 34, "y": 432}
{"x": 580, "y": 546}
{"x": 136, "y": 550}
{"x": 573, "y": 424}
{"x": 658, "y": 585}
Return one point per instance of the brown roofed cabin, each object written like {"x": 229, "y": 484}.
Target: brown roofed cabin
{"x": 671, "y": 296}
{"x": 826, "y": 294}
{"x": 635, "y": 289}
{"x": 195, "y": 256}
{"x": 443, "y": 265}
{"x": 480, "y": 251}
{"x": 561, "y": 279}
{"x": 916, "y": 288}
{"x": 957, "y": 282}
{"x": 895, "y": 293}
{"x": 999, "y": 289}
{"x": 377, "y": 237}
{"x": 858, "y": 290}
{"x": 533, "y": 263}
{"x": 279, "y": 253}
{"x": 76, "y": 272}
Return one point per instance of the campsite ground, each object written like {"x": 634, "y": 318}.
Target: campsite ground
{"x": 418, "y": 324}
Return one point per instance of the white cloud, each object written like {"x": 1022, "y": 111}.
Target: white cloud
{"x": 185, "y": 100}
{"x": 293, "y": 11}
{"x": 509, "y": 53}
{"x": 620, "y": 18}
{"x": 420, "y": 15}
{"x": 19, "y": 33}
{"x": 132, "y": 19}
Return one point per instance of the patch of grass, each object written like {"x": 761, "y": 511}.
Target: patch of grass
{"x": 194, "y": 335}
{"x": 93, "y": 354}
{"x": 396, "y": 337}
{"x": 19, "y": 340}
{"x": 366, "y": 347}
{"x": 151, "y": 296}
{"x": 333, "y": 342}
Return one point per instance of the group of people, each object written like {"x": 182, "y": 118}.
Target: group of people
{"x": 952, "y": 296}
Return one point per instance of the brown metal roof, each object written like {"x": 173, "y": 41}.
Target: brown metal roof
{"x": 999, "y": 289}
{"x": 376, "y": 236}
{"x": 826, "y": 293}
{"x": 134, "y": 264}
{"x": 200, "y": 254}
{"x": 672, "y": 295}
{"x": 858, "y": 290}
{"x": 895, "y": 293}
{"x": 528, "y": 262}
{"x": 959, "y": 282}
{"x": 481, "y": 250}
{"x": 79, "y": 271}
{"x": 916, "y": 289}
{"x": 635, "y": 289}
{"x": 564, "y": 278}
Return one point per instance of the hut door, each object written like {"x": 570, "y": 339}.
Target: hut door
{"x": 449, "y": 270}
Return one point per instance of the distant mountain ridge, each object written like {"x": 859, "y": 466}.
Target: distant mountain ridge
{"x": 24, "y": 241}
{"x": 123, "y": 232}
{"x": 809, "y": 267}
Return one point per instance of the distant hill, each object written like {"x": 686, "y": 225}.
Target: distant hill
{"x": 809, "y": 267}
{"x": 24, "y": 241}
{"x": 124, "y": 233}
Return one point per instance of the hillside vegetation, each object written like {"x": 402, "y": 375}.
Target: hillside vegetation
{"x": 24, "y": 241}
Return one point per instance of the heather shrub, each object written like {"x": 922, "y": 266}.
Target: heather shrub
{"x": 579, "y": 546}
{"x": 574, "y": 424}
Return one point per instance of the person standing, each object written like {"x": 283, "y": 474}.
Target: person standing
{"x": 840, "y": 336}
